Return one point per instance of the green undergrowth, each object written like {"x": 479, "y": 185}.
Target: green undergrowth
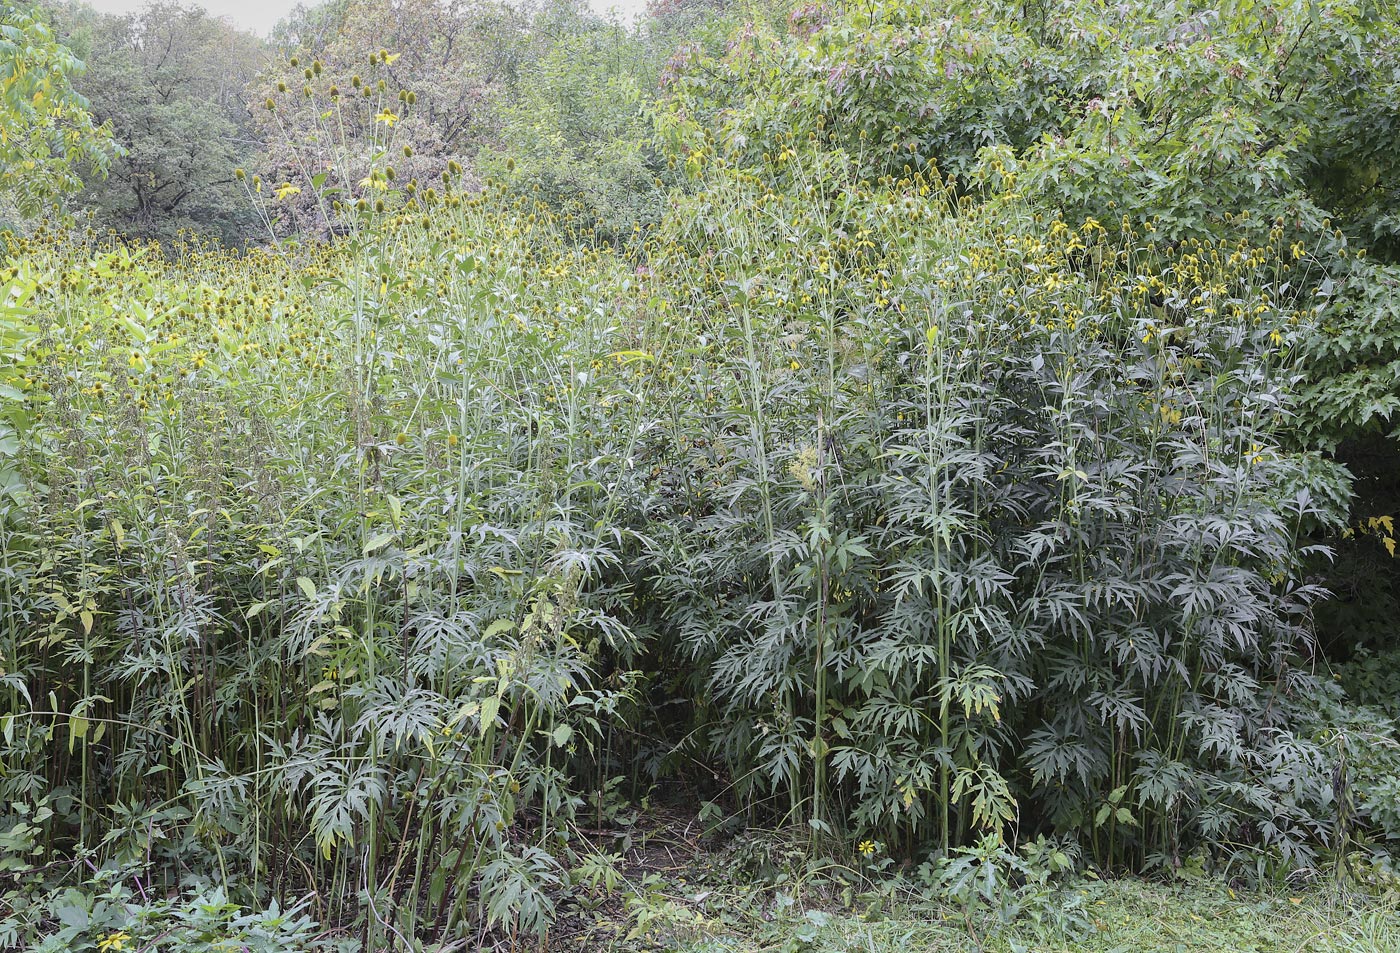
{"x": 1127, "y": 916}
{"x": 763, "y": 894}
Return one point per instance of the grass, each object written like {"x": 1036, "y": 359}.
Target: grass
{"x": 1119, "y": 916}
{"x": 680, "y": 888}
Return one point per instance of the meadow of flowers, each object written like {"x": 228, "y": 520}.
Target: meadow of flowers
{"x": 891, "y": 507}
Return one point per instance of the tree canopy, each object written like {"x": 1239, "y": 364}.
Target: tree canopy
{"x": 169, "y": 82}
{"x": 48, "y": 136}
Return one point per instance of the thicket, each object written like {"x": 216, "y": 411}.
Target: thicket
{"x": 938, "y": 454}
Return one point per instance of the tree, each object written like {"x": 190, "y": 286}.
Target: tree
{"x": 48, "y": 136}
{"x": 170, "y": 82}
{"x": 576, "y": 133}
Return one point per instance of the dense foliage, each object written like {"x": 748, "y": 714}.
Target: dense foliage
{"x": 917, "y": 429}
{"x": 169, "y": 82}
{"x": 48, "y": 137}
{"x": 454, "y": 71}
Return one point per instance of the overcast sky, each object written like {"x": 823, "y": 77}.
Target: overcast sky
{"x": 258, "y": 16}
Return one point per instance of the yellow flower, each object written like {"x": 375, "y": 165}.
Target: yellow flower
{"x": 114, "y": 941}
{"x": 867, "y": 848}
{"x": 286, "y": 190}
{"x": 386, "y": 117}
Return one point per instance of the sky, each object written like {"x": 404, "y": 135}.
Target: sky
{"x": 258, "y": 16}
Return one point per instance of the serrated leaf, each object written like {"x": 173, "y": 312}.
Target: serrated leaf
{"x": 499, "y": 627}
{"x": 377, "y": 541}
{"x": 490, "y": 708}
